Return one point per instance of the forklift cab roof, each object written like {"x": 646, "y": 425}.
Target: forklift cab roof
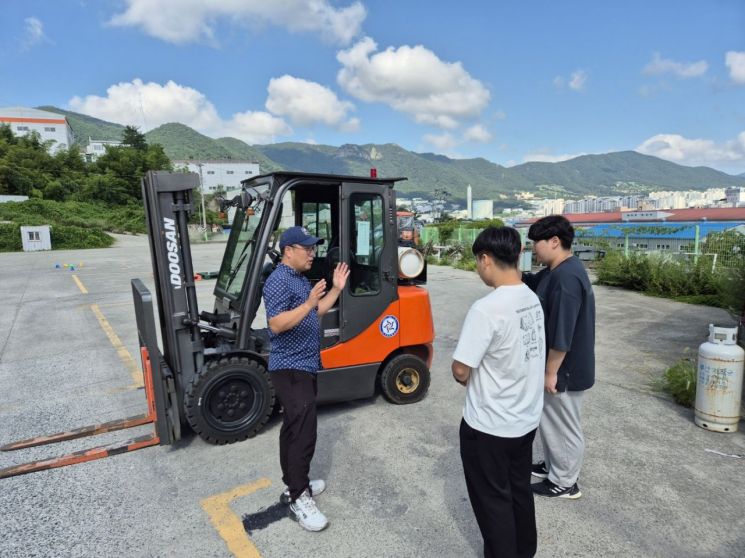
{"x": 278, "y": 178}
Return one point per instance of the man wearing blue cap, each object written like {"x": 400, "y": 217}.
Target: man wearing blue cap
{"x": 293, "y": 310}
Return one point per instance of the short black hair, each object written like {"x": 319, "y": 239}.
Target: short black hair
{"x": 501, "y": 243}
{"x": 551, "y": 226}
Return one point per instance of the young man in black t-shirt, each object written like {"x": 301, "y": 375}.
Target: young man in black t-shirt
{"x": 569, "y": 307}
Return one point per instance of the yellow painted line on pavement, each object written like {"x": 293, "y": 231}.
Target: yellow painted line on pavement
{"x": 121, "y": 350}
{"x": 80, "y": 284}
{"x": 228, "y": 525}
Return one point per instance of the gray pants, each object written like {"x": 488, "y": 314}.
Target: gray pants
{"x": 561, "y": 433}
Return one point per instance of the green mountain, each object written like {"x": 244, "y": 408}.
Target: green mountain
{"x": 425, "y": 171}
{"x": 84, "y": 126}
{"x": 243, "y": 151}
{"x": 623, "y": 172}
{"x": 181, "y": 142}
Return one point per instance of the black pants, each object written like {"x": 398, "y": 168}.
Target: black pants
{"x": 296, "y": 391}
{"x": 497, "y": 474}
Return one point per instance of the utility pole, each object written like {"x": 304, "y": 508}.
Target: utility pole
{"x": 201, "y": 196}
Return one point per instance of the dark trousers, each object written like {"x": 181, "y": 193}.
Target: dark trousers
{"x": 296, "y": 391}
{"x": 497, "y": 474}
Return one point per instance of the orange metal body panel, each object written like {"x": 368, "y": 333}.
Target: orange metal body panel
{"x": 414, "y": 315}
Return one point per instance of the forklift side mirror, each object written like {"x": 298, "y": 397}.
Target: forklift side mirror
{"x": 246, "y": 199}
{"x": 242, "y": 201}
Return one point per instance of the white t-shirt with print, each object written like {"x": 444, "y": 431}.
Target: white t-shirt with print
{"x": 503, "y": 341}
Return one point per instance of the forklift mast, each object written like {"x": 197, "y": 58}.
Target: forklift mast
{"x": 167, "y": 200}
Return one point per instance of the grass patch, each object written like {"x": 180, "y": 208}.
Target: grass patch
{"x": 657, "y": 275}
{"x": 73, "y": 224}
{"x": 680, "y": 381}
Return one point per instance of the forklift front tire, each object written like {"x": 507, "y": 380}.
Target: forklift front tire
{"x": 230, "y": 400}
{"x": 405, "y": 379}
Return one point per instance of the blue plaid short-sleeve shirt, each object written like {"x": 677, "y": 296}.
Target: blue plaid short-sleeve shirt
{"x": 298, "y": 348}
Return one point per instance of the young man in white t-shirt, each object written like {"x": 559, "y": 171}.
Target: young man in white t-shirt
{"x": 500, "y": 358}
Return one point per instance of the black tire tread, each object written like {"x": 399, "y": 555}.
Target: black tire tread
{"x": 192, "y": 408}
{"x": 391, "y": 369}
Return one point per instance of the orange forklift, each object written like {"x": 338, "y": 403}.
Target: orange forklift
{"x": 211, "y": 373}
{"x": 379, "y": 333}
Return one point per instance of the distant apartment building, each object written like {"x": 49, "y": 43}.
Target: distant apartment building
{"x": 735, "y": 196}
{"x": 225, "y": 174}
{"x": 49, "y": 125}
{"x": 553, "y": 207}
{"x": 96, "y": 148}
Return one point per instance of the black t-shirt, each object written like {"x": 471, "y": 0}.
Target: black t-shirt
{"x": 569, "y": 306}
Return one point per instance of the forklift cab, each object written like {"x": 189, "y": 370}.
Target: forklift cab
{"x": 353, "y": 216}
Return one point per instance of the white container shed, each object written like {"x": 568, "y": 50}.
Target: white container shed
{"x": 36, "y": 238}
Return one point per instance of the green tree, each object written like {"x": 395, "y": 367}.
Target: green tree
{"x": 132, "y": 137}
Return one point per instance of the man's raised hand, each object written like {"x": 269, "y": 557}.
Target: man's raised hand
{"x": 316, "y": 293}
{"x": 341, "y": 273}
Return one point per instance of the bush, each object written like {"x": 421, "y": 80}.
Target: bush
{"x": 658, "y": 275}
{"x": 732, "y": 288}
{"x": 73, "y": 224}
{"x": 10, "y": 237}
{"x": 65, "y": 237}
{"x": 680, "y": 381}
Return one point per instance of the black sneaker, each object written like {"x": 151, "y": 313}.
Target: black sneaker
{"x": 551, "y": 490}
{"x": 539, "y": 470}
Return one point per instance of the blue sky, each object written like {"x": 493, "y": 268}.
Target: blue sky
{"x": 508, "y": 81}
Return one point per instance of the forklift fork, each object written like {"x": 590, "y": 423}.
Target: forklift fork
{"x": 161, "y": 405}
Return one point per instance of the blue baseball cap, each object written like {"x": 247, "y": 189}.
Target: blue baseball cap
{"x": 298, "y": 235}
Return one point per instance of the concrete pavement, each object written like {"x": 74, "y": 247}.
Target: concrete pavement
{"x": 395, "y": 483}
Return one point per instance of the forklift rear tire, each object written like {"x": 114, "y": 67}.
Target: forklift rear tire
{"x": 230, "y": 400}
{"x": 405, "y": 379}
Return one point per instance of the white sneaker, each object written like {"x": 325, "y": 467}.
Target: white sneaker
{"x": 304, "y": 511}
{"x": 316, "y": 487}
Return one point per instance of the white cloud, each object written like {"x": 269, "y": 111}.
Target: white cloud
{"x": 33, "y": 33}
{"x": 442, "y": 142}
{"x": 659, "y": 65}
{"x": 736, "y": 63}
{"x": 253, "y": 127}
{"x": 577, "y": 80}
{"x": 148, "y": 105}
{"x": 446, "y": 142}
{"x": 679, "y": 149}
{"x": 477, "y": 133}
{"x": 500, "y": 115}
{"x": 306, "y": 103}
{"x": 412, "y": 80}
{"x": 543, "y": 156}
{"x": 184, "y": 21}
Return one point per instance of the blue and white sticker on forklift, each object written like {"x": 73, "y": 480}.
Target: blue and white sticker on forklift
{"x": 389, "y": 326}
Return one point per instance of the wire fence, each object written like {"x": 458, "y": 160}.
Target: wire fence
{"x": 460, "y": 235}
{"x": 714, "y": 243}
{"x": 722, "y": 245}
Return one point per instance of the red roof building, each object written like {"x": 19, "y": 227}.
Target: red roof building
{"x": 715, "y": 214}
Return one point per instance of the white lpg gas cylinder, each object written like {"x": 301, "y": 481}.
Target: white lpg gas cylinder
{"x": 410, "y": 262}
{"x": 719, "y": 380}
